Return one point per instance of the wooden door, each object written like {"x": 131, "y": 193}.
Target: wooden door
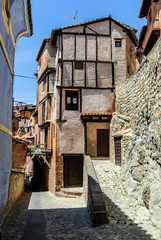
{"x": 73, "y": 171}
{"x": 118, "y": 151}
{"x": 103, "y": 142}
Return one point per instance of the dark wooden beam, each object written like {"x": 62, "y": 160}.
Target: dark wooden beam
{"x": 85, "y": 138}
{"x": 86, "y": 34}
{"x": 85, "y": 64}
{"x": 80, "y": 92}
{"x": 72, "y": 74}
{"x": 96, "y": 62}
{"x": 60, "y": 105}
{"x": 88, "y": 61}
{"x": 62, "y": 59}
{"x": 113, "y": 74}
{"x": 75, "y": 87}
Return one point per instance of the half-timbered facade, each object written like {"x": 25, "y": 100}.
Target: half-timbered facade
{"x": 79, "y": 67}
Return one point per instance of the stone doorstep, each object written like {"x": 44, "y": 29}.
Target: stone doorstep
{"x": 100, "y": 158}
{"x": 70, "y": 192}
{"x": 63, "y": 195}
{"x": 73, "y": 191}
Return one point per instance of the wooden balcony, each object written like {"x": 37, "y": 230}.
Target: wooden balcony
{"x": 150, "y": 33}
{"x": 38, "y": 149}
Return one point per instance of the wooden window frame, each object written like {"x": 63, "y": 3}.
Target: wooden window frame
{"x": 117, "y": 41}
{"x": 72, "y": 95}
{"x": 78, "y": 66}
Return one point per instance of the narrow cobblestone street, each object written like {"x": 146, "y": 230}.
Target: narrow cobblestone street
{"x": 41, "y": 215}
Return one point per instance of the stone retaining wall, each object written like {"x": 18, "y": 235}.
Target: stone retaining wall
{"x": 93, "y": 195}
{"x": 16, "y": 188}
{"x": 139, "y": 98}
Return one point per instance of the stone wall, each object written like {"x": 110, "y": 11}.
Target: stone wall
{"x": 93, "y": 195}
{"x": 16, "y": 188}
{"x": 139, "y": 98}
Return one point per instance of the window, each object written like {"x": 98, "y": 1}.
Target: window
{"x": 71, "y": 100}
{"x": 118, "y": 43}
{"x": 79, "y": 65}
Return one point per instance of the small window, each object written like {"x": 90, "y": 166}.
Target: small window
{"x": 79, "y": 65}
{"x": 118, "y": 43}
{"x": 72, "y": 100}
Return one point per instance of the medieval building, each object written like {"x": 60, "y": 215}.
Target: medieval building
{"x": 15, "y": 21}
{"x": 79, "y": 67}
{"x": 152, "y": 31}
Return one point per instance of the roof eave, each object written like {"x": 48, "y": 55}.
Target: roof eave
{"x": 30, "y": 17}
{"x": 42, "y": 48}
{"x": 55, "y": 32}
{"x": 144, "y": 8}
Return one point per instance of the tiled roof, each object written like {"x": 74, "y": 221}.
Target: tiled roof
{"x": 125, "y": 26}
{"x": 145, "y": 7}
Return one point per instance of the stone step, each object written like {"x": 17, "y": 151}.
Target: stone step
{"x": 70, "y": 192}
{"x": 100, "y": 158}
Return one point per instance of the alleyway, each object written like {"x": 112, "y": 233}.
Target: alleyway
{"x": 41, "y": 215}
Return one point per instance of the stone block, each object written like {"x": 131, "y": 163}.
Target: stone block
{"x": 99, "y": 218}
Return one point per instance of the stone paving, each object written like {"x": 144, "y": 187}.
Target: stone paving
{"x": 121, "y": 208}
{"x": 68, "y": 219}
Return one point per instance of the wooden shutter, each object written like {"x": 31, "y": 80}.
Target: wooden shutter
{"x": 118, "y": 151}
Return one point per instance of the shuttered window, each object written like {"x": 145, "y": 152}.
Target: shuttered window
{"x": 72, "y": 100}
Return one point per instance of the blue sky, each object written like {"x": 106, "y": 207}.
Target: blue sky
{"x": 51, "y": 14}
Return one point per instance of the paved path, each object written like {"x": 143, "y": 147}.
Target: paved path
{"x": 43, "y": 216}
{"x": 122, "y": 209}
